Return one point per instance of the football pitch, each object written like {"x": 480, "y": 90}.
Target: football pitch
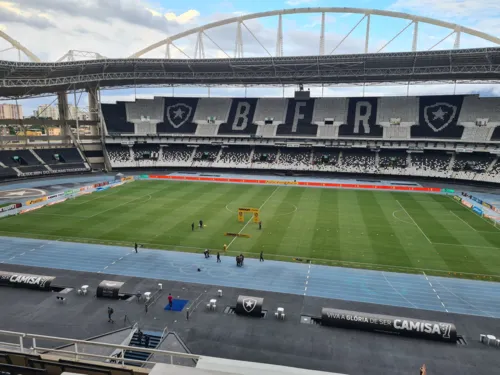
{"x": 392, "y": 231}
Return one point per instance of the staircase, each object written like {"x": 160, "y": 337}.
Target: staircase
{"x": 154, "y": 341}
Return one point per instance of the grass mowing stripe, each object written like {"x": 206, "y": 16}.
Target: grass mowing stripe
{"x": 332, "y": 227}
{"x": 414, "y": 222}
{"x": 251, "y": 218}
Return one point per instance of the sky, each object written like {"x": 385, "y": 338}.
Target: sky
{"x": 119, "y": 28}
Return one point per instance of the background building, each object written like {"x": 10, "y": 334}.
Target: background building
{"x": 11, "y": 111}
{"x": 48, "y": 111}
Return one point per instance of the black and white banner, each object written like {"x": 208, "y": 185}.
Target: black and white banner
{"x": 438, "y": 117}
{"x": 246, "y": 305}
{"x": 21, "y": 280}
{"x": 240, "y": 119}
{"x": 179, "y": 116}
{"x": 391, "y": 324}
{"x": 362, "y": 119}
{"x": 109, "y": 289}
{"x": 298, "y": 119}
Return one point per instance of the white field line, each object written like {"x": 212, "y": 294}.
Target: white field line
{"x": 414, "y": 222}
{"x": 437, "y": 295}
{"x": 392, "y": 286}
{"x": 251, "y": 218}
{"x": 94, "y": 241}
{"x": 463, "y": 221}
{"x": 122, "y": 204}
{"x": 489, "y": 222}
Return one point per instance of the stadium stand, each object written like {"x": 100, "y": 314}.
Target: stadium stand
{"x": 240, "y": 120}
{"x": 324, "y": 159}
{"x": 295, "y": 158}
{"x": 18, "y": 158}
{"x": 120, "y": 156}
{"x": 145, "y": 114}
{"x": 32, "y": 162}
{"x": 115, "y": 119}
{"x": 206, "y": 155}
{"x": 333, "y": 110}
{"x": 267, "y": 123}
{"x": 430, "y": 164}
{"x": 264, "y": 154}
{"x": 61, "y": 158}
{"x": 298, "y": 119}
{"x": 179, "y": 116}
{"x": 234, "y": 157}
{"x": 358, "y": 161}
{"x": 392, "y": 161}
{"x": 478, "y": 111}
{"x": 270, "y": 108}
{"x": 212, "y": 110}
{"x": 176, "y": 155}
{"x": 438, "y": 117}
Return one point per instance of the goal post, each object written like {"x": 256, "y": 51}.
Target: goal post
{"x": 254, "y": 211}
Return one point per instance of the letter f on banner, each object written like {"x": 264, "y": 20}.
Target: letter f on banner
{"x": 367, "y": 108}
{"x": 297, "y": 115}
{"x": 242, "y": 112}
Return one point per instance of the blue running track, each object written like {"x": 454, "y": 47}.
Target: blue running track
{"x": 406, "y": 290}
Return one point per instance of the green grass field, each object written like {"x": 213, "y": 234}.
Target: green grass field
{"x": 406, "y": 232}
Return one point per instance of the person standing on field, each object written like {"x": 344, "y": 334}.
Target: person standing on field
{"x": 261, "y": 256}
{"x": 135, "y": 247}
{"x": 225, "y": 247}
{"x": 192, "y": 227}
{"x": 218, "y": 257}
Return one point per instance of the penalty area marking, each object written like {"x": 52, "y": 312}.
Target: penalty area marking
{"x": 414, "y": 222}
{"x": 463, "y": 221}
{"x": 397, "y": 218}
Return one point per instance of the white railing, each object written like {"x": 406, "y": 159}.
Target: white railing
{"x": 78, "y": 354}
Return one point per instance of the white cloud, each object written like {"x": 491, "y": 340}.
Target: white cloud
{"x": 183, "y": 18}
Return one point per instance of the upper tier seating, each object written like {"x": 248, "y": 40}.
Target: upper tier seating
{"x": 401, "y": 111}
{"x": 212, "y": 107}
{"x": 270, "y": 108}
{"x": 476, "y": 109}
{"x": 115, "y": 118}
{"x": 331, "y": 108}
{"x": 15, "y": 158}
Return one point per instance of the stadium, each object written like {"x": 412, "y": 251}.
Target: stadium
{"x": 233, "y": 235}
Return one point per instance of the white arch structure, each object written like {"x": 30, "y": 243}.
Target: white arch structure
{"x": 367, "y": 13}
{"x": 15, "y": 44}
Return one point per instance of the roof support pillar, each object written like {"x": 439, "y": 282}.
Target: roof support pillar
{"x": 415, "y": 37}
{"x": 322, "y": 36}
{"x": 367, "y": 36}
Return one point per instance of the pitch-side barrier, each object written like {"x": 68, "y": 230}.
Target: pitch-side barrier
{"x": 59, "y": 197}
{"x": 291, "y": 183}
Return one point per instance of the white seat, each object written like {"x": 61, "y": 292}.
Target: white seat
{"x": 280, "y": 313}
{"x": 147, "y": 296}
{"x": 212, "y": 304}
{"x": 85, "y": 289}
{"x": 219, "y": 292}
{"x": 482, "y": 338}
{"x": 491, "y": 340}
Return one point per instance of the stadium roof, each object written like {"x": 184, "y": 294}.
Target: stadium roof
{"x": 22, "y": 79}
